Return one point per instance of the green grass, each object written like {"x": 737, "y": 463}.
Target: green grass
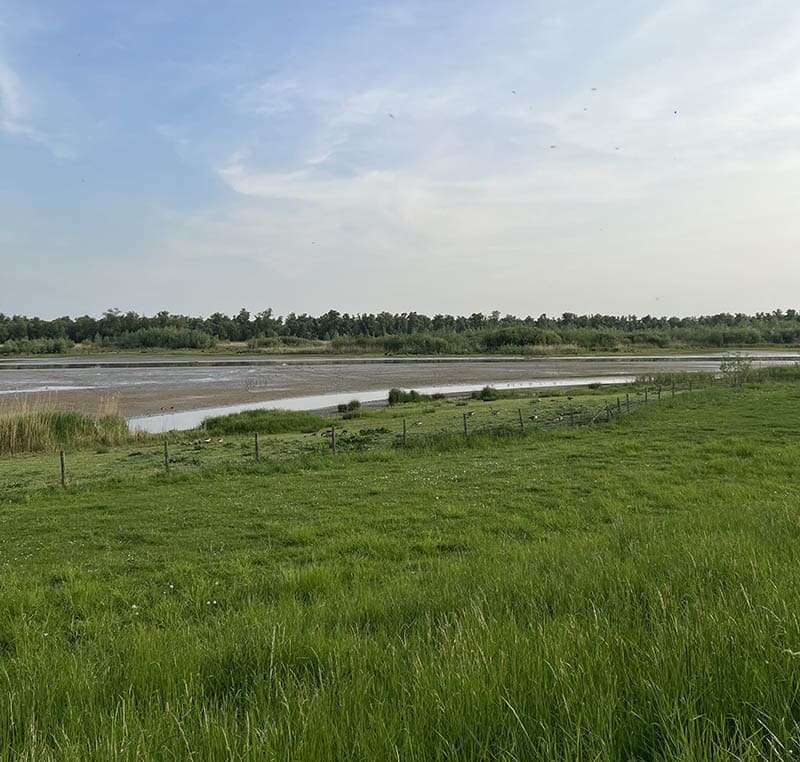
{"x": 265, "y": 422}
{"x": 620, "y": 592}
{"x": 435, "y": 423}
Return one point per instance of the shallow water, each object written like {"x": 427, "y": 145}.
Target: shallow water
{"x": 190, "y": 419}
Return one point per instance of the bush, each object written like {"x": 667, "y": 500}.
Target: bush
{"x": 264, "y": 342}
{"x": 36, "y": 347}
{"x": 489, "y": 393}
{"x": 164, "y": 338}
{"x": 736, "y": 369}
{"x": 398, "y": 396}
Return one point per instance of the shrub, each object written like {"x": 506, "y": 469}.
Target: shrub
{"x": 397, "y": 396}
{"x": 489, "y": 393}
{"x": 736, "y": 369}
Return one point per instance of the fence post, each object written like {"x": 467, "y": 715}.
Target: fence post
{"x": 645, "y": 395}
{"x": 619, "y": 406}
{"x": 333, "y": 439}
{"x": 572, "y": 418}
{"x": 690, "y": 384}
{"x": 521, "y": 422}
{"x": 258, "y": 453}
{"x": 608, "y": 412}
{"x": 166, "y": 457}
{"x": 63, "y": 468}
{"x": 404, "y": 432}
{"x": 628, "y": 401}
{"x": 466, "y": 433}
{"x": 673, "y": 387}
{"x": 659, "y": 394}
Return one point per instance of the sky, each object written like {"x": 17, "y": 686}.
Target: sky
{"x": 627, "y": 157}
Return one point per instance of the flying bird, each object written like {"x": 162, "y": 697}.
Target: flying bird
{"x": 390, "y": 115}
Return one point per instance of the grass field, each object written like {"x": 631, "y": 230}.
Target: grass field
{"x": 288, "y": 435}
{"x": 623, "y": 592}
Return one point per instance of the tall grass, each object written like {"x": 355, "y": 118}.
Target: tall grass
{"x": 264, "y": 422}
{"x": 52, "y": 429}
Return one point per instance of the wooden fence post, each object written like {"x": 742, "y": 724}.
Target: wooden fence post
{"x": 333, "y": 439}
{"x": 619, "y": 406}
{"x": 258, "y": 452}
{"x": 466, "y": 433}
{"x": 405, "y": 440}
{"x": 645, "y": 395}
{"x": 628, "y": 401}
{"x": 521, "y": 422}
{"x": 659, "y": 394}
{"x": 166, "y": 457}
{"x": 63, "y": 469}
{"x": 608, "y": 412}
{"x": 673, "y": 387}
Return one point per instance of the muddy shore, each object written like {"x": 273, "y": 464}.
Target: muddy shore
{"x": 137, "y": 387}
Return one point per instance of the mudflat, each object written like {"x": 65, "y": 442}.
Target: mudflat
{"x": 137, "y": 386}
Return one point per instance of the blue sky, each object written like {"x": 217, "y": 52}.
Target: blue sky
{"x": 627, "y": 157}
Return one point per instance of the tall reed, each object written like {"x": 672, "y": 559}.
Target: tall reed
{"x": 26, "y": 426}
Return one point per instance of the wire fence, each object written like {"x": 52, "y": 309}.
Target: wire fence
{"x": 352, "y": 432}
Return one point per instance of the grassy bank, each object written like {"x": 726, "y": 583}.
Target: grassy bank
{"x": 618, "y": 592}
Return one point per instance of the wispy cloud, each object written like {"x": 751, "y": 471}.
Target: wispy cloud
{"x": 536, "y": 157}
{"x": 16, "y": 118}
{"x": 443, "y": 169}
{"x": 10, "y": 93}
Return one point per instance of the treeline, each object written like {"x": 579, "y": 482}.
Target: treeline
{"x": 403, "y": 333}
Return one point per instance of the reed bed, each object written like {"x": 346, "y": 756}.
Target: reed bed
{"x": 33, "y": 426}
